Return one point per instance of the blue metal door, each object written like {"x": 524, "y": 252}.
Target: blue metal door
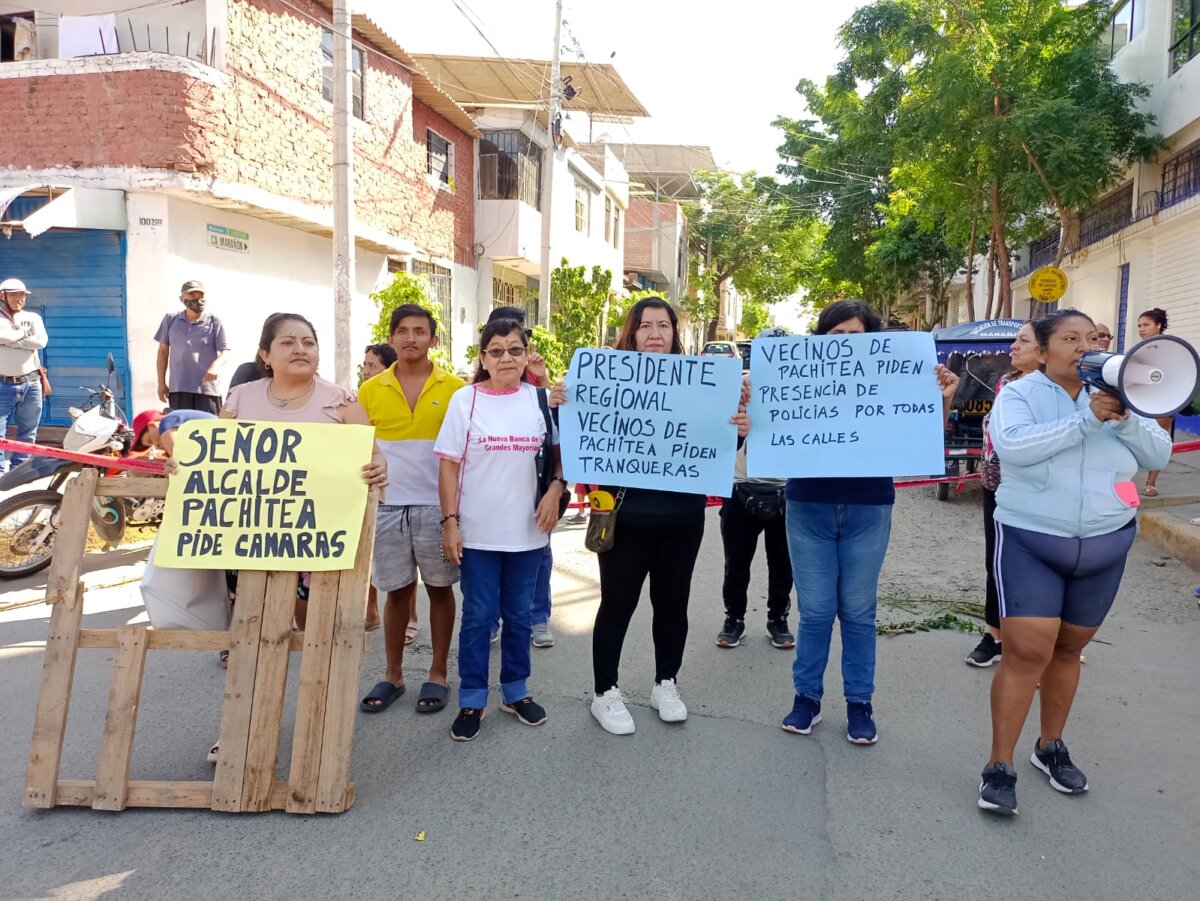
{"x": 1123, "y": 309}
{"x": 76, "y": 279}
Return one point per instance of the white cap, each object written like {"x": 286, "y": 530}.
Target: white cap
{"x": 14, "y": 285}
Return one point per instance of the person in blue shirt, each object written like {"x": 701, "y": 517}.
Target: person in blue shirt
{"x": 1065, "y": 521}
{"x": 837, "y": 532}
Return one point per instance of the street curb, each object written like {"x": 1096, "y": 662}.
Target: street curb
{"x": 1151, "y": 503}
{"x": 1178, "y": 538}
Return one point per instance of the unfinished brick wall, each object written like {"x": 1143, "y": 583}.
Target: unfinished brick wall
{"x": 64, "y": 116}
{"x": 267, "y": 127}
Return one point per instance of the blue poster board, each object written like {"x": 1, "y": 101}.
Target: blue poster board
{"x": 845, "y": 405}
{"x": 643, "y": 420}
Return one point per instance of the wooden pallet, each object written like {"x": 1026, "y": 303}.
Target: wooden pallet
{"x": 260, "y": 641}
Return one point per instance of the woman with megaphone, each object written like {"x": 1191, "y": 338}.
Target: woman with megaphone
{"x": 1065, "y": 511}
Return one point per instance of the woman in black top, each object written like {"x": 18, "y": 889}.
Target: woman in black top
{"x": 658, "y": 535}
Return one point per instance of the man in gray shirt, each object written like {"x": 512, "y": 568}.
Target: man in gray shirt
{"x": 191, "y": 344}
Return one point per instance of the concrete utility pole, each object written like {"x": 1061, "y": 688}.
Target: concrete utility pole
{"x": 548, "y": 172}
{"x": 343, "y": 195}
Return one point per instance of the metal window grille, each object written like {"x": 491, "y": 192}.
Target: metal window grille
{"x": 439, "y": 157}
{"x": 439, "y": 290}
{"x": 510, "y": 168}
{"x": 1042, "y": 251}
{"x": 1108, "y": 216}
{"x": 1181, "y": 176}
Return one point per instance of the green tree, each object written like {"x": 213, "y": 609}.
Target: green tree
{"x": 579, "y": 299}
{"x": 743, "y": 230}
{"x": 992, "y": 117}
{"x": 404, "y": 289}
{"x": 755, "y": 317}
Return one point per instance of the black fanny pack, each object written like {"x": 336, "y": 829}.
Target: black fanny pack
{"x": 766, "y": 503}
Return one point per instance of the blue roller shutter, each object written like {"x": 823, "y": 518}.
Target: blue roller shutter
{"x": 77, "y": 282}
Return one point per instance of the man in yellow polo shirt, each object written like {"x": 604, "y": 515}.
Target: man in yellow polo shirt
{"x": 406, "y": 403}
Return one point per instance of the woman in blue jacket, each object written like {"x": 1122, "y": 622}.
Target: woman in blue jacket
{"x": 1065, "y": 513}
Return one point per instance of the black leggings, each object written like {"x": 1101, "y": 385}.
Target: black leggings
{"x": 991, "y": 605}
{"x": 663, "y": 547}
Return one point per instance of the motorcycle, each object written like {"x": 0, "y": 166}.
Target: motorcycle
{"x": 29, "y": 521}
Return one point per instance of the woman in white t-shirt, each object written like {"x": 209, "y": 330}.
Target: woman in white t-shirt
{"x": 493, "y": 525}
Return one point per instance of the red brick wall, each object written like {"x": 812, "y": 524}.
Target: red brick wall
{"x": 141, "y": 118}
{"x": 270, "y": 128}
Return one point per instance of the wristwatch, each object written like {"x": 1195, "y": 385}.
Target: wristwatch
{"x": 565, "y": 483}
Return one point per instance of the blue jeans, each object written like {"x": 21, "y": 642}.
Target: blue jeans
{"x": 20, "y": 405}
{"x": 837, "y": 551}
{"x": 541, "y": 591}
{"x": 495, "y": 583}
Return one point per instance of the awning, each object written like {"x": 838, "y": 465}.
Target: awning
{"x": 8, "y": 195}
{"x": 79, "y": 208}
{"x": 984, "y": 330}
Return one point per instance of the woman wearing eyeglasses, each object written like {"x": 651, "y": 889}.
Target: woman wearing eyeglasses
{"x": 493, "y": 525}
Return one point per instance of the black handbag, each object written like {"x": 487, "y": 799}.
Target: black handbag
{"x": 545, "y": 459}
{"x": 765, "y": 503}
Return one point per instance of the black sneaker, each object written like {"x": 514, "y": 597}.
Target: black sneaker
{"x": 1055, "y": 761}
{"x": 526, "y": 712}
{"x": 731, "y": 633}
{"x": 986, "y": 652}
{"x": 466, "y": 726}
{"x": 998, "y": 790}
{"x": 781, "y": 635}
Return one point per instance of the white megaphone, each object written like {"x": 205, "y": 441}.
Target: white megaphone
{"x": 1156, "y": 378}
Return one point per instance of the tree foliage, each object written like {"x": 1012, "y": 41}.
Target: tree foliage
{"x": 743, "y": 230}
{"x": 579, "y": 299}
{"x": 755, "y": 317}
{"x": 985, "y": 120}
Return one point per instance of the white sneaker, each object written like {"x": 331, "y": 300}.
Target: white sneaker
{"x": 664, "y": 698}
{"x": 610, "y": 712}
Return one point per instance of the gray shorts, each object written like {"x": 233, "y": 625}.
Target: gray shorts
{"x": 408, "y": 539}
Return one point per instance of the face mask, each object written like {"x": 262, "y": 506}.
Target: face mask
{"x": 196, "y": 306}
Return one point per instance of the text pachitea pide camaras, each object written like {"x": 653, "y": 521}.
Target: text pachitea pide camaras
{"x": 247, "y": 479}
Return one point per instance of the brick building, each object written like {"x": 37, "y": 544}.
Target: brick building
{"x": 194, "y": 140}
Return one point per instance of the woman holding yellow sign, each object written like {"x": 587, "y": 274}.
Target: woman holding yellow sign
{"x": 291, "y": 391}
{"x": 659, "y": 537}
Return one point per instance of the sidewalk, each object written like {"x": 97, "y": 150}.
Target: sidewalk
{"x": 1165, "y": 519}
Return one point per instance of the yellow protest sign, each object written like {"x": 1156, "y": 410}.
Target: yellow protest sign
{"x": 1048, "y": 284}
{"x": 265, "y": 495}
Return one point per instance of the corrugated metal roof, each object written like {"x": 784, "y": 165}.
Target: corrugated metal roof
{"x": 492, "y": 81}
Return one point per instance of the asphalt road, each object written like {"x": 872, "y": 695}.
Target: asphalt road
{"x": 724, "y": 805}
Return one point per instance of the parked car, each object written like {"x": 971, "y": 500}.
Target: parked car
{"x": 744, "y": 349}
{"x": 719, "y": 349}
